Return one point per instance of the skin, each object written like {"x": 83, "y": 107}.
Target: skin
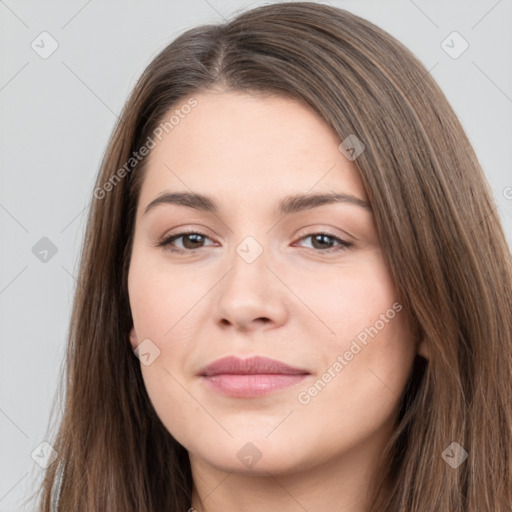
{"x": 296, "y": 303}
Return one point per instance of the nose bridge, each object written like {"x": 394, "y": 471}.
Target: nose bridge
{"x": 249, "y": 263}
{"x": 247, "y": 292}
{"x": 250, "y": 250}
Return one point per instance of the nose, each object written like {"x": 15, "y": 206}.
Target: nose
{"x": 250, "y": 296}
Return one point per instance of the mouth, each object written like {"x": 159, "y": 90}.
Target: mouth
{"x": 250, "y": 378}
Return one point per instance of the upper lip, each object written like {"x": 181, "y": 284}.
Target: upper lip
{"x": 249, "y": 366}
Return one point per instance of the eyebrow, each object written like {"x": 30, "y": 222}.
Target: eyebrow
{"x": 290, "y": 204}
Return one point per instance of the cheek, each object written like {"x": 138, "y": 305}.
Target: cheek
{"x": 157, "y": 304}
{"x": 162, "y": 307}
{"x": 348, "y": 299}
{"x": 160, "y": 299}
{"x": 358, "y": 389}
{"x": 366, "y": 348}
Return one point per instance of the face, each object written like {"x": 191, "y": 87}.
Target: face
{"x": 303, "y": 283}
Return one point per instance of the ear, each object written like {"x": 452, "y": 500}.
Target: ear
{"x": 422, "y": 348}
{"x": 133, "y": 338}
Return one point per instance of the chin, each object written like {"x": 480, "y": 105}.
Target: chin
{"x": 251, "y": 455}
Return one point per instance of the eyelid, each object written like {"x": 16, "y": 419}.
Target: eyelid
{"x": 331, "y": 231}
{"x": 342, "y": 242}
{"x": 166, "y": 239}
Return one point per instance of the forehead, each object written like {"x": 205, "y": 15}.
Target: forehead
{"x": 238, "y": 146}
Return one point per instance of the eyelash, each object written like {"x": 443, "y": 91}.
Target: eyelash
{"x": 166, "y": 242}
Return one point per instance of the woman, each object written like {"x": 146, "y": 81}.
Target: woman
{"x": 294, "y": 293}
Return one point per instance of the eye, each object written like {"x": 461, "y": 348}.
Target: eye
{"x": 193, "y": 240}
{"x": 325, "y": 242}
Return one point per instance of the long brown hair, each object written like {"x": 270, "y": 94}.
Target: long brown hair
{"x": 440, "y": 234}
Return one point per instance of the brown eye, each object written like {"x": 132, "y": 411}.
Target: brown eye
{"x": 190, "y": 241}
{"x": 326, "y": 242}
{"x": 193, "y": 240}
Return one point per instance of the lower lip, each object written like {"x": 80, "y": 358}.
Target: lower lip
{"x": 251, "y": 386}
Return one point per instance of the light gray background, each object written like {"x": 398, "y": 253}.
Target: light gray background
{"x": 57, "y": 114}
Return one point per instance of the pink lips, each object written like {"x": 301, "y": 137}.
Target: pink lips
{"x": 251, "y": 377}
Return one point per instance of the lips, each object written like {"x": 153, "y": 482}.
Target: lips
{"x": 250, "y": 366}
{"x": 251, "y": 377}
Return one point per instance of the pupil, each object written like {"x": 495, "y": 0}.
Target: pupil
{"x": 194, "y": 238}
{"x": 321, "y": 239}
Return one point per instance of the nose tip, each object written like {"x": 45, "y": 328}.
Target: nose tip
{"x": 250, "y": 295}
